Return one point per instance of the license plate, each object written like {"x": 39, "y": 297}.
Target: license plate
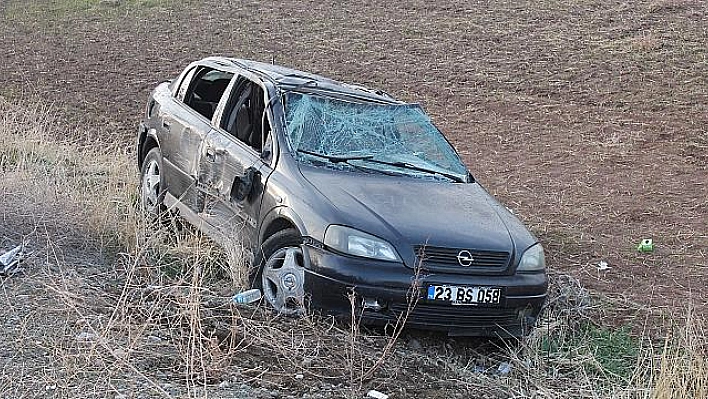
{"x": 457, "y": 295}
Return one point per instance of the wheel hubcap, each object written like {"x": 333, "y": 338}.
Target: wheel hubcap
{"x": 283, "y": 277}
{"x": 151, "y": 186}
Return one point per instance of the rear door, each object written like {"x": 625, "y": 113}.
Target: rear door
{"x": 233, "y": 168}
{"x": 186, "y": 125}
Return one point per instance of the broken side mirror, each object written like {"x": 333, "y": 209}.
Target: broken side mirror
{"x": 267, "y": 150}
{"x": 243, "y": 185}
{"x": 266, "y": 153}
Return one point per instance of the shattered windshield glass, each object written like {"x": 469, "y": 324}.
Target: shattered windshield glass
{"x": 396, "y": 138}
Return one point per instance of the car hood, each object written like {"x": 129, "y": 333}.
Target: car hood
{"x": 410, "y": 211}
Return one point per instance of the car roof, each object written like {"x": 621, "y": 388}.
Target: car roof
{"x": 289, "y": 78}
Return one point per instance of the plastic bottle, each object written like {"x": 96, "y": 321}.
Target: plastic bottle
{"x": 249, "y": 296}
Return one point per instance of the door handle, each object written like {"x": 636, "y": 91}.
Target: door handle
{"x": 212, "y": 153}
{"x": 165, "y": 124}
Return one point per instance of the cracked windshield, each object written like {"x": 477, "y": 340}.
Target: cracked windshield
{"x": 385, "y": 138}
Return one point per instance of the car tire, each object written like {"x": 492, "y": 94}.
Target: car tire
{"x": 281, "y": 272}
{"x": 152, "y": 185}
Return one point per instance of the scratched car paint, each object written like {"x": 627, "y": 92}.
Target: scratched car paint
{"x": 337, "y": 189}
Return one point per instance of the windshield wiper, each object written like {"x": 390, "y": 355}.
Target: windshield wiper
{"x": 370, "y": 158}
{"x": 410, "y": 166}
{"x": 337, "y": 158}
{"x": 345, "y": 159}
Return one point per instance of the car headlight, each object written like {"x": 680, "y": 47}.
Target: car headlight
{"x": 533, "y": 259}
{"x": 354, "y": 242}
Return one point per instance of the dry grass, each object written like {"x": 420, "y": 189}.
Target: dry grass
{"x": 572, "y": 355}
{"x": 65, "y": 183}
{"x": 682, "y": 370}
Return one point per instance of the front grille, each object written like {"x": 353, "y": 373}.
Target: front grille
{"x": 457, "y": 316}
{"x": 446, "y": 260}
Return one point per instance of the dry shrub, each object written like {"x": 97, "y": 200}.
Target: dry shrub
{"x": 572, "y": 354}
{"x": 208, "y": 340}
{"x": 552, "y": 361}
{"x": 63, "y": 182}
{"x": 682, "y": 370}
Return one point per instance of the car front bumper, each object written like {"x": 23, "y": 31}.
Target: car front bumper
{"x": 382, "y": 295}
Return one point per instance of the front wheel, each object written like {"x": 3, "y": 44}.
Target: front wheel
{"x": 281, "y": 272}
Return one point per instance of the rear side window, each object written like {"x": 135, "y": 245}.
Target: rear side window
{"x": 205, "y": 90}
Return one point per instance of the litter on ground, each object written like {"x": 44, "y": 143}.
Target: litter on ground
{"x": 10, "y": 260}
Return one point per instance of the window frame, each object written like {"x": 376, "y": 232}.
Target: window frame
{"x": 184, "y": 83}
{"x": 227, "y": 104}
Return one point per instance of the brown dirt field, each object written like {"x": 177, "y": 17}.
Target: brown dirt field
{"x": 588, "y": 118}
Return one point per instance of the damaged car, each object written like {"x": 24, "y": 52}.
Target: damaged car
{"x": 347, "y": 199}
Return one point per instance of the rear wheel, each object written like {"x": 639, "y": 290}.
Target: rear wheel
{"x": 152, "y": 185}
{"x": 281, "y": 273}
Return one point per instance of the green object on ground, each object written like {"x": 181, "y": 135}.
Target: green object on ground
{"x": 647, "y": 245}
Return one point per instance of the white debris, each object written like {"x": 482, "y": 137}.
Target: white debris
{"x": 376, "y": 394}
{"x": 10, "y": 260}
{"x": 246, "y": 297}
{"x": 504, "y": 368}
{"x": 86, "y": 336}
{"x": 154, "y": 338}
{"x": 120, "y": 354}
{"x": 299, "y": 376}
{"x": 602, "y": 265}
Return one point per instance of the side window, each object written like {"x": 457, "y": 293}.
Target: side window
{"x": 245, "y": 115}
{"x": 205, "y": 90}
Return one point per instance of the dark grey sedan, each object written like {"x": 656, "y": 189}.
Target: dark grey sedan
{"x": 336, "y": 190}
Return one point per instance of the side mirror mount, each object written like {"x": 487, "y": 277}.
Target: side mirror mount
{"x": 243, "y": 185}
{"x": 266, "y": 153}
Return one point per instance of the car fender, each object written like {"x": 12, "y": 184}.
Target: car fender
{"x": 142, "y": 135}
{"x": 281, "y": 212}
{"x": 145, "y": 133}
{"x": 150, "y": 134}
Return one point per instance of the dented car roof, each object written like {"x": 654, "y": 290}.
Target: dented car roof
{"x": 285, "y": 78}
